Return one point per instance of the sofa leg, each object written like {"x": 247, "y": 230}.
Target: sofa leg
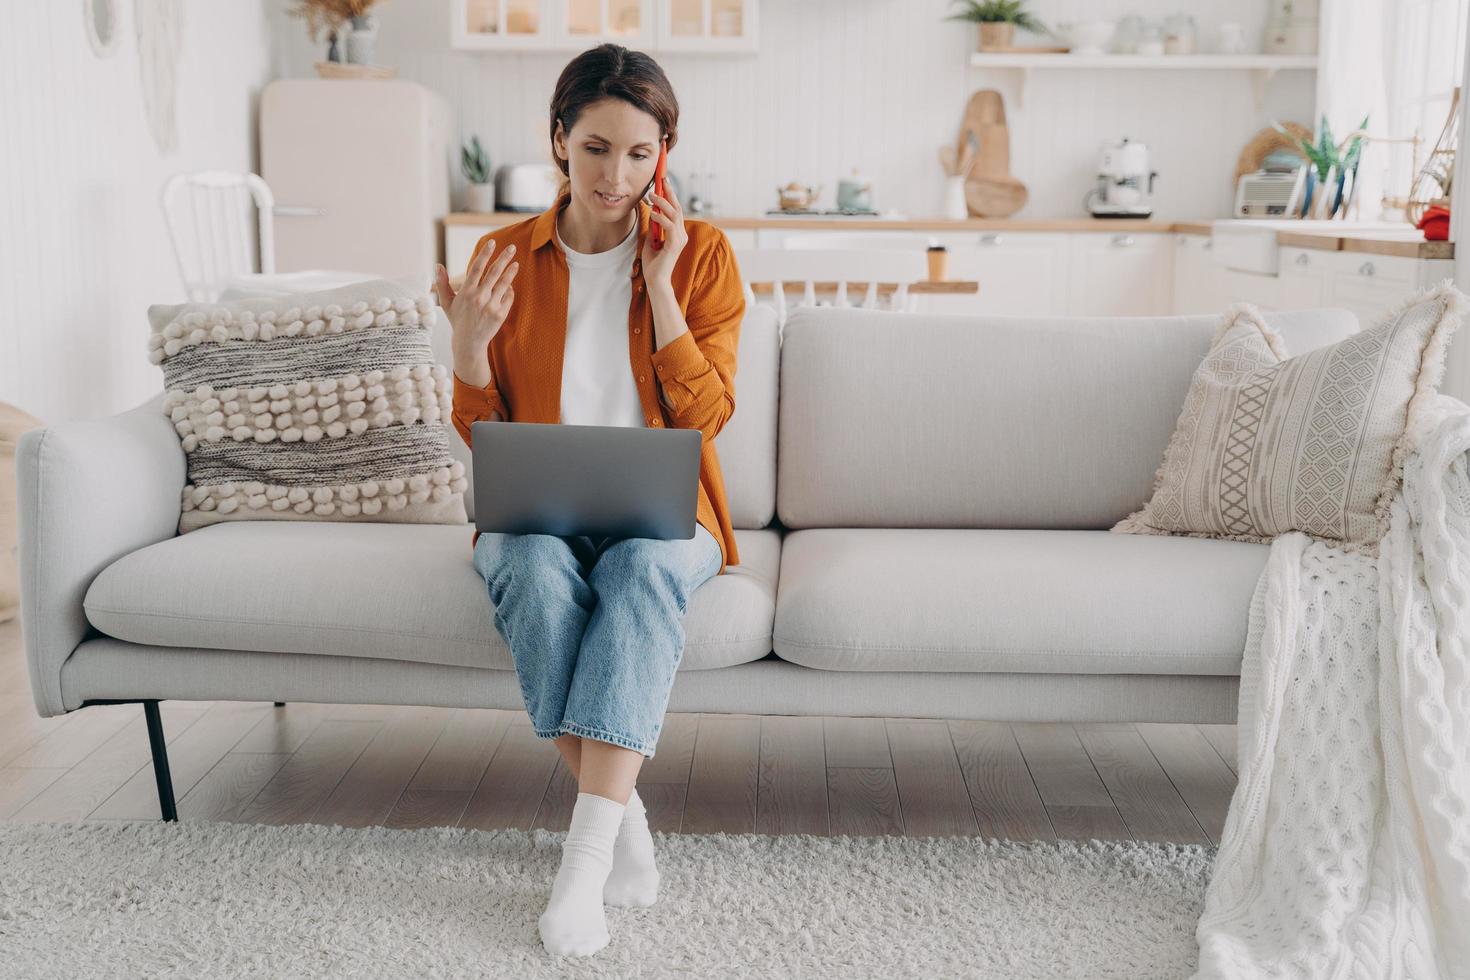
{"x": 156, "y": 745}
{"x": 160, "y": 762}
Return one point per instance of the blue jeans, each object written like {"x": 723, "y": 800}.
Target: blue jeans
{"x": 596, "y": 627}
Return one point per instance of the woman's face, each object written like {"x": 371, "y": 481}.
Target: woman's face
{"x": 610, "y": 153}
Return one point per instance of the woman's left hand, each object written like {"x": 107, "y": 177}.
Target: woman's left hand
{"x": 658, "y": 264}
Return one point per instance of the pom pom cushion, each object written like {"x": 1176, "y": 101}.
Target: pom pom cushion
{"x": 1267, "y": 443}
{"x": 322, "y": 406}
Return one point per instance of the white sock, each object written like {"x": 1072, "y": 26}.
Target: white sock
{"x": 573, "y": 923}
{"x": 634, "y": 877}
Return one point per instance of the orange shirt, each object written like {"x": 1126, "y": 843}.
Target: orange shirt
{"x": 689, "y": 383}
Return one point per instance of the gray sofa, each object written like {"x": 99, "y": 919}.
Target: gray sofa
{"x": 921, "y": 515}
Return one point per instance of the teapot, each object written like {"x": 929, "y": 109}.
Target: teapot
{"x": 796, "y": 197}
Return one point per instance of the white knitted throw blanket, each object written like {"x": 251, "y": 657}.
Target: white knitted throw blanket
{"x": 1346, "y": 851}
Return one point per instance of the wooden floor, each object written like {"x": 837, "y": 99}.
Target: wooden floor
{"x": 363, "y": 765}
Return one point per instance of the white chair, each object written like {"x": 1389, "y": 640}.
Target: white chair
{"x": 781, "y": 267}
{"x": 208, "y": 219}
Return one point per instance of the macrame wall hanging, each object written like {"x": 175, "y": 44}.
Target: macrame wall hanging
{"x": 160, "y": 27}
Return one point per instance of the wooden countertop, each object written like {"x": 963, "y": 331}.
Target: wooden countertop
{"x": 493, "y": 219}
{"x": 1376, "y": 241}
{"x": 1408, "y": 245}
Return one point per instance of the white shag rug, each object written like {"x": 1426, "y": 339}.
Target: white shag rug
{"x": 196, "y": 899}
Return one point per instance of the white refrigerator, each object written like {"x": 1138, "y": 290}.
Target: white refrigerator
{"x": 359, "y": 170}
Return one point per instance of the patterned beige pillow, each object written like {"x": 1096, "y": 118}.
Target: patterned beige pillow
{"x": 1267, "y": 443}
{"x": 323, "y": 406}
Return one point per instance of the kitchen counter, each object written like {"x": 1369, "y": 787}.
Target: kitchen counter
{"x": 1337, "y": 236}
{"x": 1410, "y": 244}
{"x": 497, "y": 218}
{"x": 1305, "y": 234}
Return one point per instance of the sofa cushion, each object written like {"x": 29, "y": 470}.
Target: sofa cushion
{"x": 1268, "y": 442}
{"x": 1086, "y": 602}
{"x": 390, "y": 591}
{"x": 747, "y": 443}
{"x": 321, "y": 406}
{"x": 901, "y": 420}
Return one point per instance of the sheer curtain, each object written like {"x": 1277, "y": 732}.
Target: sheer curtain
{"x": 1428, "y": 58}
{"x": 1354, "y": 55}
{"x": 1397, "y": 62}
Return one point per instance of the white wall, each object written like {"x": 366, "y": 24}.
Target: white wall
{"x": 877, "y": 84}
{"x": 83, "y": 247}
{"x": 874, "y": 83}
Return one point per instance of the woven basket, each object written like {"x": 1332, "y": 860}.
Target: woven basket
{"x": 338, "y": 69}
{"x": 1266, "y": 142}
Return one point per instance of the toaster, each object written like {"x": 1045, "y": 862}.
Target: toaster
{"x": 526, "y": 186}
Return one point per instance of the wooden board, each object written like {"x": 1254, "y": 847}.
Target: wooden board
{"x": 990, "y": 190}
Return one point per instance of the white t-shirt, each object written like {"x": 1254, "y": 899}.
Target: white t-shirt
{"x": 597, "y": 385}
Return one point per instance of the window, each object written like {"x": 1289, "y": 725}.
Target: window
{"x": 1426, "y": 59}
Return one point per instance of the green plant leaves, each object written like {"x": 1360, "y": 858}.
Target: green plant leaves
{"x": 998, "y": 12}
{"x": 474, "y": 162}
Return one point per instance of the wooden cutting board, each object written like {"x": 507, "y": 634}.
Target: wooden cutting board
{"x": 990, "y": 190}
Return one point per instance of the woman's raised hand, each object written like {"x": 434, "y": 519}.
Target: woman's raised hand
{"x": 479, "y": 309}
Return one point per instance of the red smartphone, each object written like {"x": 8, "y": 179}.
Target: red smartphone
{"x": 660, "y": 187}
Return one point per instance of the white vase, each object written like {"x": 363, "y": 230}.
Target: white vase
{"x": 480, "y": 197}
{"x": 362, "y": 41}
{"x": 955, "y": 205}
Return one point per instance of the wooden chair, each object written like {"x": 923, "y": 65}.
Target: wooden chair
{"x": 207, "y": 214}
{"x": 882, "y": 271}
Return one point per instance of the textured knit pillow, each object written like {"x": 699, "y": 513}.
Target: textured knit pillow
{"x": 318, "y": 406}
{"x": 1267, "y": 444}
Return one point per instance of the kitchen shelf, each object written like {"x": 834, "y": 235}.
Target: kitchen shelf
{"x": 1262, "y": 66}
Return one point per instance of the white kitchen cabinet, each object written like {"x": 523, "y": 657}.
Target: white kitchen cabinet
{"x": 459, "y": 245}
{"x": 741, "y": 237}
{"x": 1249, "y": 287}
{"x": 1087, "y": 273}
{"x": 460, "y": 239}
{"x": 709, "y": 26}
{"x": 1370, "y": 285}
{"x": 1120, "y": 274}
{"x": 1020, "y": 273}
{"x": 1198, "y": 280}
{"x": 1304, "y": 278}
{"x": 1202, "y": 284}
{"x": 795, "y": 236}
{"x": 550, "y": 25}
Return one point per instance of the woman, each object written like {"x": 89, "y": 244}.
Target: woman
{"x": 573, "y": 317}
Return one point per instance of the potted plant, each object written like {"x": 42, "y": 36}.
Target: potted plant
{"x": 997, "y": 21}
{"x": 1330, "y": 166}
{"x": 476, "y": 167}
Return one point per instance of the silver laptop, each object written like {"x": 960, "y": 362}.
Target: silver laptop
{"x": 594, "y": 480}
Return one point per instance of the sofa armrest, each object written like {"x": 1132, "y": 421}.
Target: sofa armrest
{"x": 88, "y": 492}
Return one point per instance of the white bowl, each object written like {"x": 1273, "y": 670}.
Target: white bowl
{"x": 1087, "y": 37}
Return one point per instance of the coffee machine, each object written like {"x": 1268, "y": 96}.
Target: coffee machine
{"x": 1125, "y": 184}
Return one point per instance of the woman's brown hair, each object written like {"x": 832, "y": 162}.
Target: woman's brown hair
{"x": 612, "y": 71}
